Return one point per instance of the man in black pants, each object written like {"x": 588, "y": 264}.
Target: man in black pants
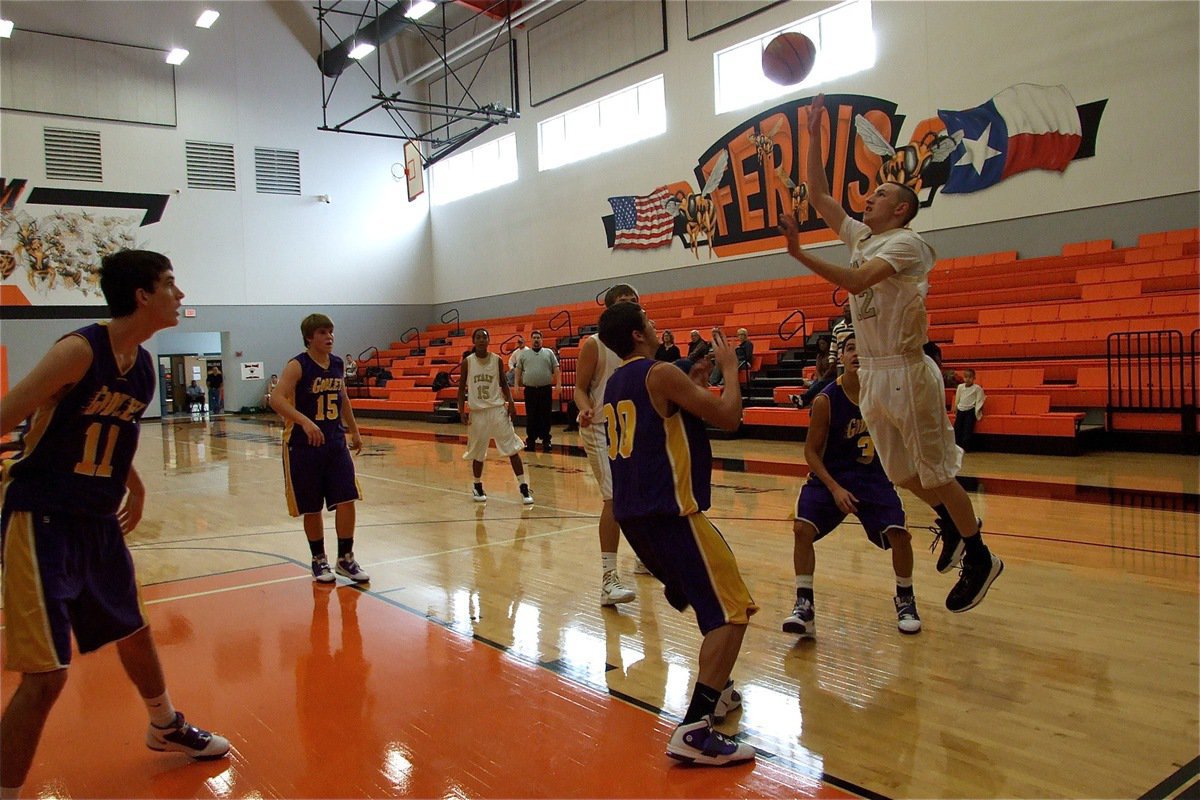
{"x": 537, "y": 371}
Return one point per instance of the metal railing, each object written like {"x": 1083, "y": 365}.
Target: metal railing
{"x": 554, "y": 325}
{"x": 802, "y": 330}
{"x": 509, "y": 344}
{"x": 450, "y": 315}
{"x": 1145, "y": 373}
{"x": 360, "y": 383}
{"x": 567, "y": 369}
{"x": 416, "y": 333}
{"x": 1191, "y": 411}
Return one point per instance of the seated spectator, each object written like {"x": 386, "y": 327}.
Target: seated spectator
{"x": 697, "y": 347}
{"x": 667, "y": 349}
{"x": 968, "y": 409}
{"x": 842, "y": 329}
{"x": 195, "y": 397}
{"x": 745, "y": 356}
{"x": 825, "y": 365}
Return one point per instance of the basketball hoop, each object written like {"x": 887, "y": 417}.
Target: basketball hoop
{"x": 414, "y": 170}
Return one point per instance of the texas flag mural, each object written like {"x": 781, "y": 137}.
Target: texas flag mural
{"x": 1024, "y": 127}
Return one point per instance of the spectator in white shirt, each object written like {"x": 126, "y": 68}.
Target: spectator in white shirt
{"x": 968, "y": 409}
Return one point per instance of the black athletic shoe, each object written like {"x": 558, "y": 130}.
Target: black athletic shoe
{"x": 973, "y": 583}
{"x": 953, "y": 546}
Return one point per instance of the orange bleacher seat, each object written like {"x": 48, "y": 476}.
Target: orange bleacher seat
{"x": 1030, "y": 376}
{"x": 1045, "y": 313}
{"x": 998, "y": 335}
{"x": 1087, "y": 248}
{"x": 776, "y": 416}
{"x": 999, "y": 405}
{"x": 1174, "y": 304}
{"x": 1180, "y": 266}
{"x": 1092, "y": 376}
{"x": 1031, "y": 404}
{"x": 1111, "y": 291}
{"x": 993, "y": 378}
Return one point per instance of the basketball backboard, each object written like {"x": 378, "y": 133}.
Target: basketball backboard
{"x": 414, "y": 170}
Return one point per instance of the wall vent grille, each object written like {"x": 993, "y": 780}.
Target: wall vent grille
{"x": 276, "y": 171}
{"x": 72, "y": 155}
{"x": 210, "y": 165}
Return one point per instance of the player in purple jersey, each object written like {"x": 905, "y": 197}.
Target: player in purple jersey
{"x": 844, "y": 478}
{"x": 70, "y": 499}
{"x": 318, "y": 471}
{"x": 662, "y": 480}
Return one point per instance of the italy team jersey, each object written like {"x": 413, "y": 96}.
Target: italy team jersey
{"x": 848, "y": 446}
{"x": 318, "y": 397}
{"x": 483, "y": 382}
{"x": 79, "y": 448}
{"x": 660, "y": 467}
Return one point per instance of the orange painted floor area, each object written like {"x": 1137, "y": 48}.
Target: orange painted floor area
{"x": 359, "y": 698}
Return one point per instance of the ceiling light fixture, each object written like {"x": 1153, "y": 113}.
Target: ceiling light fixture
{"x": 419, "y": 8}
{"x": 361, "y": 50}
{"x": 177, "y": 56}
{"x": 207, "y": 19}
{"x": 6, "y": 28}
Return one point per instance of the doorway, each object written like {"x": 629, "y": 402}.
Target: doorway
{"x": 177, "y": 373}
{"x": 184, "y": 357}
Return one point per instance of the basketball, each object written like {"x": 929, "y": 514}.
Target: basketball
{"x": 788, "y": 58}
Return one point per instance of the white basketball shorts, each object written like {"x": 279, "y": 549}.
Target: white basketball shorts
{"x": 903, "y": 401}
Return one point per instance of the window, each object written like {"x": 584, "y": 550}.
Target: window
{"x": 845, "y": 45}
{"x": 622, "y": 118}
{"x": 477, "y": 170}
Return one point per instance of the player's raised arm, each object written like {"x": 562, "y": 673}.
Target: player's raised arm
{"x": 670, "y": 385}
{"x": 822, "y": 200}
{"x": 64, "y": 365}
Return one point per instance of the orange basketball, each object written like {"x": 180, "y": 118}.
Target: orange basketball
{"x": 788, "y": 58}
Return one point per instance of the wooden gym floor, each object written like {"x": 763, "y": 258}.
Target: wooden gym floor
{"x": 479, "y": 662}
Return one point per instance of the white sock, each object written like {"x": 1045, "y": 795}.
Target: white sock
{"x": 162, "y": 713}
{"x": 608, "y": 562}
{"x": 520, "y": 480}
{"x": 804, "y": 582}
{"x": 904, "y": 583}
{"x": 10, "y": 793}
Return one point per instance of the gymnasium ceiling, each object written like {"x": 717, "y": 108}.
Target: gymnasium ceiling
{"x": 168, "y": 23}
